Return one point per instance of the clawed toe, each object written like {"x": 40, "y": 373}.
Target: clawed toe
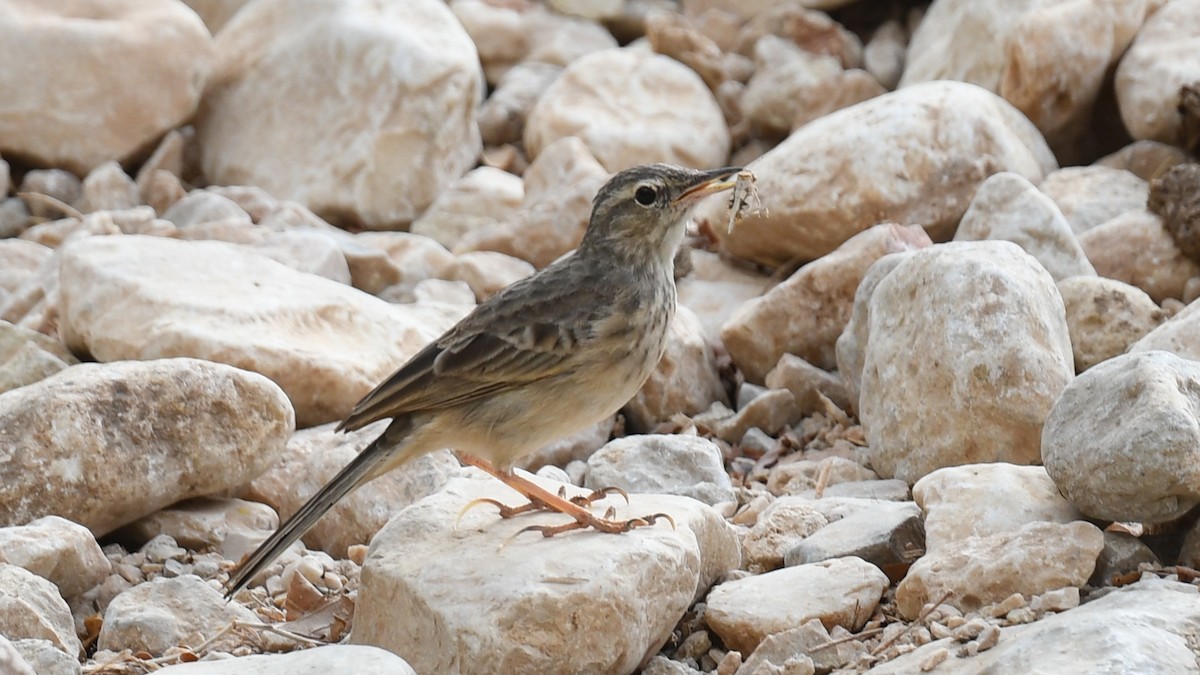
{"x": 597, "y": 495}
{"x": 606, "y": 524}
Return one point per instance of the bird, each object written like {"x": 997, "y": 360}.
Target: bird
{"x": 549, "y": 355}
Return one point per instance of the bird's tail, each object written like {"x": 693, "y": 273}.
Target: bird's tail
{"x": 367, "y": 465}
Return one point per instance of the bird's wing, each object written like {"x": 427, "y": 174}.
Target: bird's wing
{"x": 504, "y": 344}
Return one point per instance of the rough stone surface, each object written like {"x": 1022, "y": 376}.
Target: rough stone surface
{"x": 782, "y": 525}
{"x": 889, "y": 536}
{"x": 58, "y": 550}
{"x": 324, "y": 343}
{"x": 314, "y": 456}
{"x": 483, "y": 197}
{"x": 1135, "y": 248}
{"x": 995, "y": 356}
{"x": 400, "y": 127}
{"x": 805, "y": 314}
{"x": 165, "y": 613}
{"x": 689, "y": 466}
{"x": 27, "y": 356}
{"x": 226, "y": 525}
{"x": 840, "y": 174}
{"x": 631, "y": 106}
{"x": 534, "y": 604}
{"x": 105, "y": 444}
{"x": 358, "y": 659}
{"x": 1124, "y": 553}
{"x": 1007, "y": 207}
{"x": 684, "y": 381}
{"x": 851, "y": 346}
{"x": 1093, "y": 195}
{"x": 44, "y": 658}
{"x": 66, "y": 117}
{"x": 1105, "y": 317}
{"x": 11, "y": 660}
{"x": 842, "y": 592}
{"x": 980, "y": 570}
{"x": 982, "y": 499}
{"x": 1121, "y": 442}
{"x": 808, "y": 385}
{"x": 30, "y": 607}
{"x": 1164, "y": 57}
{"x": 1179, "y": 335}
{"x": 714, "y": 290}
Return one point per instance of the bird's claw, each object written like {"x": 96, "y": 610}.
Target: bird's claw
{"x": 606, "y": 524}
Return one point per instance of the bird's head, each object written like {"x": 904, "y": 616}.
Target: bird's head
{"x": 643, "y": 210}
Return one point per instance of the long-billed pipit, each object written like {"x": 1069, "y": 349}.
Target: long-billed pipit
{"x": 547, "y": 356}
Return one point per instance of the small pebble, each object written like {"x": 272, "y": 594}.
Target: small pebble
{"x": 935, "y": 659}
{"x": 729, "y": 663}
{"x": 357, "y": 553}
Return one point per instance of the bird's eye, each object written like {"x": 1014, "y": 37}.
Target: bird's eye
{"x": 645, "y": 195}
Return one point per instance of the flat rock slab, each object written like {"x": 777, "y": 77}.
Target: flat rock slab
{"x": 355, "y": 659}
{"x": 481, "y": 598}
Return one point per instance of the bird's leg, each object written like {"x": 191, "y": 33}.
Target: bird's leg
{"x": 542, "y": 499}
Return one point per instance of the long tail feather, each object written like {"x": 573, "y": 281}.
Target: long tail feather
{"x": 363, "y": 468}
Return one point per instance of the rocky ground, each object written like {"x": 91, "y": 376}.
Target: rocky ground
{"x": 936, "y": 409}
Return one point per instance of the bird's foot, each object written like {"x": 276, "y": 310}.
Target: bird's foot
{"x": 536, "y": 505}
{"x": 608, "y": 524}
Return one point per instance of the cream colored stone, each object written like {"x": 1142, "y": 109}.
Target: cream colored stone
{"x": 630, "y": 107}
{"x": 12, "y": 661}
{"x": 1121, "y": 442}
{"x": 1105, "y": 317}
{"x": 686, "y": 379}
{"x": 27, "y": 356}
{"x": 216, "y": 13}
{"x": 842, "y": 592}
{"x": 108, "y": 188}
{"x": 484, "y": 197}
{"x": 30, "y": 607}
{"x": 105, "y": 444}
{"x": 165, "y": 613}
{"x": 495, "y": 601}
{"x": 57, "y": 550}
{"x": 912, "y": 156}
{"x": 1179, "y": 335}
{"x": 994, "y": 355}
{"x": 1007, "y": 207}
{"x": 314, "y": 456}
{"x": 222, "y": 524}
{"x": 320, "y": 660}
{"x": 326, "y": 344}
{"x": 81, "y": 116}
{"x": 1135, "y": 248}
{"x": 784, "y": 523}
{"x": 805, "y": 314}
{"x": 808, "y": 385}
{"x": 985, "y": 569}
{"x": 1164, "y": 57}
{"x": 884, "y": 54}
{"x": 715, "y": 288}
{"x": 669, "y": 464}
{"x": 488, "y": 272}
{"x": 410, "y": 258}
{"x": 361, "y": 111}
{"x": 502, "y": 117}
{"x": 1093, "y": 195}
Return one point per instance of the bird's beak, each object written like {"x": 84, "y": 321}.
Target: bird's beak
{"x": 708, "y": 183}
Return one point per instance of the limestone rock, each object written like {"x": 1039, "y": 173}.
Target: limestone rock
{"x": 1105, "y": 317}
{"x": 670, "y": 464}
{"x": 1145, "y": 159}
{"x": 851, "y": 346}
{"x": 1177, "y": 335}
{"x": 19, "y": 259}
{"x": 983, "y": 499}
{"x": 27, "y": 356}
{"x": 408, "y": 259}
{"x": 1124, "y": 553}
{"x": 995, "y": 356}
{"x": 533, "y": 604}
{"x": 715, "y": 289}
{"x": 889, "y": 535}
{"x": 1093, "y": 195}
{"x": 108, "y": 188}
{"x": 805, "y": 314}
{"x": 11, "y": 660}
{"x": 985, "y": 569}
{"x": 798, "y": 477}
{"x": 629, "y": 107}
{"x": 1009, "y": 208}
{"x": 314, "y": 456}
{"x": 227, "y": 525}
{"x": 808, "y": 385}
{"x": 324, "y": 343}
{"x": 488, "y": 272}
{"x": 782, "y": 525}
{"x": 65, "y": 117}
{"x": 358, "y": 659}
{"x": 105, "y": 444}
{"x": 30, "y": 607}
{"x": 165, "y": 613}
{"x": 912, "y": 156}
{"x": 1135, "y": 248}
{"x": 788, "y": 651}
{"x": 44, "y": 658}
{"x": 1122, "y": 439}
{"x": 842, "y": 592}
{"x": 58, "y": 550}
{"x": 400, "y": 128}
{"x": 483, "y": 197}
{"x": 685, "y": 380}
{"x": 1163, "y": 58}
{"x": 502, "y": 117}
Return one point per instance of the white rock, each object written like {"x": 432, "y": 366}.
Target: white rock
{"x": 1122, "y": 439}
{"x": 629, "y": 107}
{"x": 805, "y": 314}
{"x": 488, "y": 272}
{"x": 1105, "y": 317}
{"x": 11, "y": 660}
{"x": 502, "y": 117}
{"x": 30, "y": 607}
{"x": 44, "y": 658}
{"x": 528, "y": 604}
{"x": 27, "y": 356}
{"x": 19, "y": 259}
{"x": 108, "y": 188}
{"x": 357, "y": 659}
{"x": 58, "y": 550}
{"x": 314, "y": 456}
{"x": 360, "y": 111}
{"x": 165, "y": 613}
{"x": 1092, "y": 195}
{"x": 1179, "y": 335}
{"x": 670, "y": 464}
{"x": 1020, "y": 50}
{"x": 1109, "y": 634}
{"x": 884, "y": 53}
{"x": 1135, "y": 248}
{"x": 715, "y": 289}
{"x": 995, "y": 355}
{"x": 409, "y": 258}
{"x": 1164, "y": 57}
{"x": 1007, "y": 207}
{"x": 130, "y": 438}
{"x": 324, "y": 343}
{"x": 851, "y": 346}
{"x": 782, "y": 525}
{"x": 842, "y": 592}
{"x": 224, "y": 524}
{"x": 809, "y": 385}
{"x": 980, "y": 570}
{"x": 483, "y": 197}
{"x": 888, "y": 535}
{"x": 912, "y": 156}
{"x": 983, "y": 499}
{"x": 686, "y": 379}
{"x": 66, "y": 117}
